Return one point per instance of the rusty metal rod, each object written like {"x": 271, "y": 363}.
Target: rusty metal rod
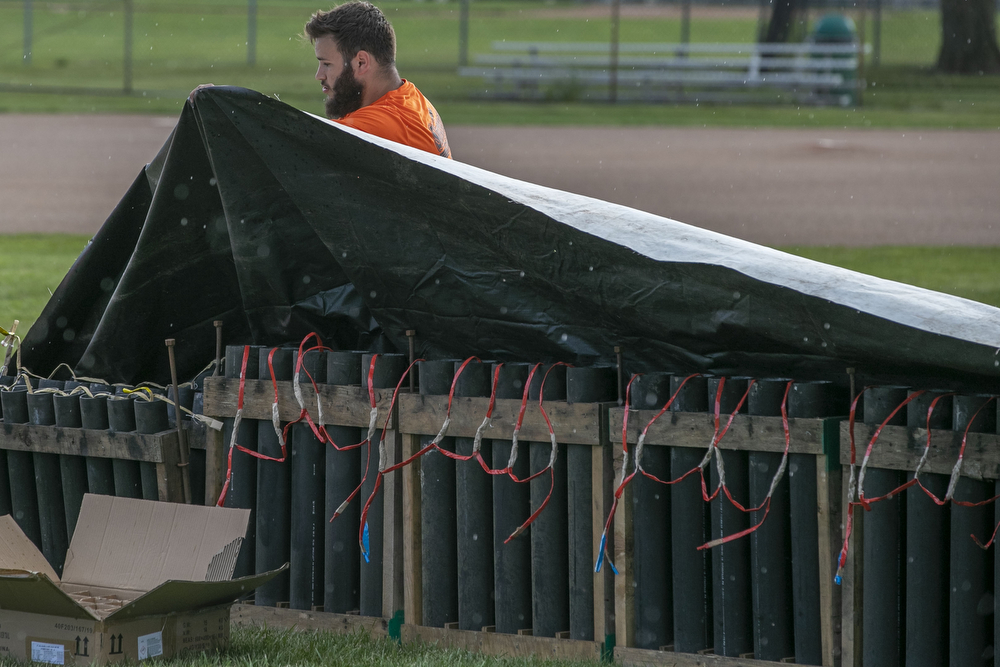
{"x": 218, "y": 347}
{"x": 182, "y": 446}
{"x": 411, "y": 338}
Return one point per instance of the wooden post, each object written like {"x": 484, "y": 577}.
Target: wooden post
{"x": 602, "y": 469}
{"x": 392, "y": 530}
{"x": 215, "y": 466}
{"x": 830, "y": 517}
{"x": 623, "y": 551}
{"x": 412, "y": 541}
{"x": 852, "y": 587}
{"x": 182, "y": 448}
{"x": 168, "y": 482}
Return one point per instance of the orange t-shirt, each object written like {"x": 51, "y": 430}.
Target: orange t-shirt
{"x": 405, "y": 116}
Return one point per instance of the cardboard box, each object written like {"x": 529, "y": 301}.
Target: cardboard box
{"x": 142, "y": 579}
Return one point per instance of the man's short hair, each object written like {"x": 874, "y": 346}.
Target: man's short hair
{"x": 356, "y": 26}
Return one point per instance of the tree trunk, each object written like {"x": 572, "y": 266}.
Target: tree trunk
{"x": 968, "y": 37}
{"x": 788, "y": 22}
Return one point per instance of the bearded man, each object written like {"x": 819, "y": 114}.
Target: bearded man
{"x": 356, "y": 49}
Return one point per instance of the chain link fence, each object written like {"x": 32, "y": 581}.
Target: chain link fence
{"x": 143, "y": 47}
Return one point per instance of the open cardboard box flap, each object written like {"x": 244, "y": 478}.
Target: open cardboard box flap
{"x": 165, "y": 557}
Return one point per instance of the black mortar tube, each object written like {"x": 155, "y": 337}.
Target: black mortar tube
{"x": 41, "y": 409}
{"x": 272, "y": 536}
{"x": 883, "y": 543}
{"x": 389, "y": 369}
{"x": 308, "y": 533}
{"x": 511, "y": 506}
{"x": 731, "y": 587}
{"x": 15, "y": 406}
{"x": 971, "y": 603}
{"x": 5, "y": 504}
{"x": 689, "y": 517}
{"x": 127, "y": 475}
{"x": 67, "y": 411}
{"x": 21, "y": 470}
{"x": 474, "y": 506}
{"x": 100, "y": 471}
{"x": 121, "y": 414}
{"x": 770, "y": 544}
{"x": 598, "y": 384}
{"x": 150, "y": 417}
{"x": 342, "y": 585}
{"x": 48, "y": 485}
{"x": 73, "y": 469}
{"x": 550, "y": 531}
{"x": 438, "y": 511}
{"x": 808, "y": 400}
{"x": 186, "y": 397}
{"x": 197, "y": 457}
{"x": 242, "y": 491}
{"x": 928, "y": 552}
{"x": 652, "y": 555}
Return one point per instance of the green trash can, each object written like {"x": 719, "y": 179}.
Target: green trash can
{"x": 838, "y": 29}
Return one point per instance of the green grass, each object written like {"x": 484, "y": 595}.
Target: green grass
{"x": 77, "y": 59}
{"x": 33, "y": 264}
{"x": 275, "y": 648}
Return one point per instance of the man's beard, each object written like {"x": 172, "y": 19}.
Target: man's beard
{"x": 346, "y": 96}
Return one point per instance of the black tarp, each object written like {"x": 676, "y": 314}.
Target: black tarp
{"x": 280, "y": 223}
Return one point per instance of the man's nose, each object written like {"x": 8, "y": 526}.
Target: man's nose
{"x": 319, "y": 76}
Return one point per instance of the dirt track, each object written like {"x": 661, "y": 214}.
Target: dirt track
{"x": 66, "y": 173}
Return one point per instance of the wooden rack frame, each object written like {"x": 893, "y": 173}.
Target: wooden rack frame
{"x": 817, "y": 437}
{"x": 899, "y": 448}
{"x": 594, "y": 425}
{"x": 597, "y": 426}
{"x": 159, "y": 448}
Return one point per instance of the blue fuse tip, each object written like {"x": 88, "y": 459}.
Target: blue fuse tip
{"x": 600, "y": 554}
{"x": 364, "y": 543}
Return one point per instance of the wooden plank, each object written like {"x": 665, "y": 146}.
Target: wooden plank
{"x": 343, "y": 406}
{"x": 78, "y": 441}
{"x": 169, "y": 483}
{"x": 602, "y": 472}
{"x": 900, "y": 448}
{"x": 624, "y": 555}
{"x": 830, "y": 510}
{"x": 637, "y": 657}
{"x": 495, "y": 643}
{"x": 251, "y": 616}
{"x": 392, "y": 529}
{"x": 413, "y": 608}
{"x": 577, "y": 424}
{"x": 829, "y": 594}
{"x": 215, "y": 466}
{"x": 692, "y": 429}
{"x": 852, "y": 588}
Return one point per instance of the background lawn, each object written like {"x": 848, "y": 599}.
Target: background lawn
{"x": 77, "y": 61}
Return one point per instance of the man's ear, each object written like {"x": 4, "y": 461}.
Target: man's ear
{"x": 363, "y": 63}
